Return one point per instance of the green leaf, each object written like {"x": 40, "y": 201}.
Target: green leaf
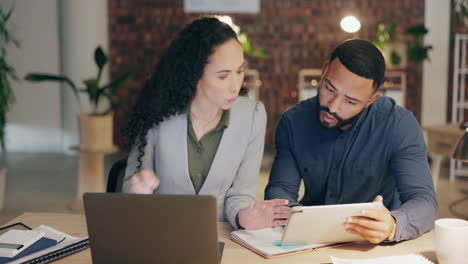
{"x": 245, "y": 43}
{"x": 120, "y": 82}
{"x": 419, "y": 53}
{"x": 417, "y": 31}
{"x": 93, "y": 91}
{"x": 259, "y": 53}
{"x": 90, "y": 83}
{"x": 43, "y": 77}
{"x": 100, "y": 57}
{"x": 395, "y": 58}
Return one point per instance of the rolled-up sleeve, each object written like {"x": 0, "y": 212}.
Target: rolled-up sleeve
{"x": 285, "y": 178}
{"x": 409, "y": 165}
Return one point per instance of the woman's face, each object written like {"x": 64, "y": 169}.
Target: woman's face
{"x": 223, "y": 76}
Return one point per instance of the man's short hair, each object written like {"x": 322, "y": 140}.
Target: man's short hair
{"x": 361, "y": 58}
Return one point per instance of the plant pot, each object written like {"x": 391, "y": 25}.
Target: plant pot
{"x": 96, "y": 132}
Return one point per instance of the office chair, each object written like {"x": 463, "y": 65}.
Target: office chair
{"x": 116, "y": 175}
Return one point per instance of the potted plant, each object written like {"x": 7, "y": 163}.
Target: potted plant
{"x": 246, "y": 44}
{"x": 417, "y": 51}
{"x": 393, "y": 51}
{"x": 461, "y": 9}
{"x": 96, "y": 128}
{"x": 7, "y": 73}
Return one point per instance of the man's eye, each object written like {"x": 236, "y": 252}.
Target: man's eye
{"x": 329, "y": 89}
{"x": 350, "y": 102}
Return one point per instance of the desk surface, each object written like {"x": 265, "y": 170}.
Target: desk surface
{"x": 75, "y": 225}
{"x": 446, "y": 129}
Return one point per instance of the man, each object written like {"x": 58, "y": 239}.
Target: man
{"x": 349, "y": 145}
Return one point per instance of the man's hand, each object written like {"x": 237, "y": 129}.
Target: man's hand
{"x": 144, "y": 182}
{"x": 264, "y": 214}
{"x": 374, "y": 226}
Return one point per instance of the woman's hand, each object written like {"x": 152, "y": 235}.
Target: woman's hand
{"x": 144, "y": 182}
{"x": 264, "y": 214}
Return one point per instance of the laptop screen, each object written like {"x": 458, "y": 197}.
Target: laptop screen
{"x": 133, "y": 228}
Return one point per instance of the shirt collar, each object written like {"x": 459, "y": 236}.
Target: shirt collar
{"x": 223, "y": 122}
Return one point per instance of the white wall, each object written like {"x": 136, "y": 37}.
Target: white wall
{"x": 57, "y": 36}
{"x": 34, "y": 122}
{"x": 84, "y": 26}
{"x": 435, "y": 72}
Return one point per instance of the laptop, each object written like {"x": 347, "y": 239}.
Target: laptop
{"x": 133, "y": 228}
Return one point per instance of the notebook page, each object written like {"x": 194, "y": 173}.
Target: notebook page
{"x": 268, "y": 241}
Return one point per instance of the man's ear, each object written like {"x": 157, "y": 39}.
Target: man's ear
{"x": 325, "y": 67}
{"x": 373, "y": 97}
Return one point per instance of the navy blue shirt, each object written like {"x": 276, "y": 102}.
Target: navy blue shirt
{"x": 382, "y": 153}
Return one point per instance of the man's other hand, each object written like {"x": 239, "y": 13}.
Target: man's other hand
{"x": 374, "y": 226}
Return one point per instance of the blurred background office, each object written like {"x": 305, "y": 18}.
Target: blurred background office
{"x": 286, "y": 43}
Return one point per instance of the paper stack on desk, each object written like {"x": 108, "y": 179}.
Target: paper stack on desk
{"x": 54, "y": 245}
{"x": 401, "y": 259}
{"x": 14, "y": 241}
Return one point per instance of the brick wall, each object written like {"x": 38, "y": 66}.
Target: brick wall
{"x": 296, "y": 34}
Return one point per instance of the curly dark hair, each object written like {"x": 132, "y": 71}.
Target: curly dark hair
{"x": 172, "y": 85}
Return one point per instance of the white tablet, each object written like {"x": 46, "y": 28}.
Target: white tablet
{"x": 322, "y": 224}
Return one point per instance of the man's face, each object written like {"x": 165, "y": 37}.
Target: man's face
{"x": 343, "y": 95}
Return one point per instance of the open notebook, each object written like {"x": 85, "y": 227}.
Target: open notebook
{"x": 267, "y": 242}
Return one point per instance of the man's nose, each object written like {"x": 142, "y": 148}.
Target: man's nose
{"x": 334, "y": 104}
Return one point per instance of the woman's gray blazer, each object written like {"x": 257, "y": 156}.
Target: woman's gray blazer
{"x": 234, "y": 174}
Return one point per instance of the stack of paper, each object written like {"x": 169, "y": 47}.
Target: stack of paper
{"x": 52, "y": 246}
{"x": 401, "y": 259}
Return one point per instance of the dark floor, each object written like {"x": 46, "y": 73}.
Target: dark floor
{"x": 47, "y": 182}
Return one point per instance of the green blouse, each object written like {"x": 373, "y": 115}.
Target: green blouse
{"x": 201, "y": 153}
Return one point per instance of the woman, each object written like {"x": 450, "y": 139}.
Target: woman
{"x": 192, "y": 134}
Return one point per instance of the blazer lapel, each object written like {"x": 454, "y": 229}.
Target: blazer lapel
{"x": 176, "y": 134}
{"x": 221, "y": 164}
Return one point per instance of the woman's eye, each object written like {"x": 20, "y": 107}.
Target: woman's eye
{"x": 222, "y": 77}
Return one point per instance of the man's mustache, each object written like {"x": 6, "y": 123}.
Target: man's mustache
{"x": 326, "y": 109}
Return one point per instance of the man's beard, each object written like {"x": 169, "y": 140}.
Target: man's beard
{"x": 340, "y": 121}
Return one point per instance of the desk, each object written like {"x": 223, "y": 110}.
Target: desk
{"x": 441, "y": 142}
{"x": 75, "y": 225}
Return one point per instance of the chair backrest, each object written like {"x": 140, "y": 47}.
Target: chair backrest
{"x": 116, "y": 175}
